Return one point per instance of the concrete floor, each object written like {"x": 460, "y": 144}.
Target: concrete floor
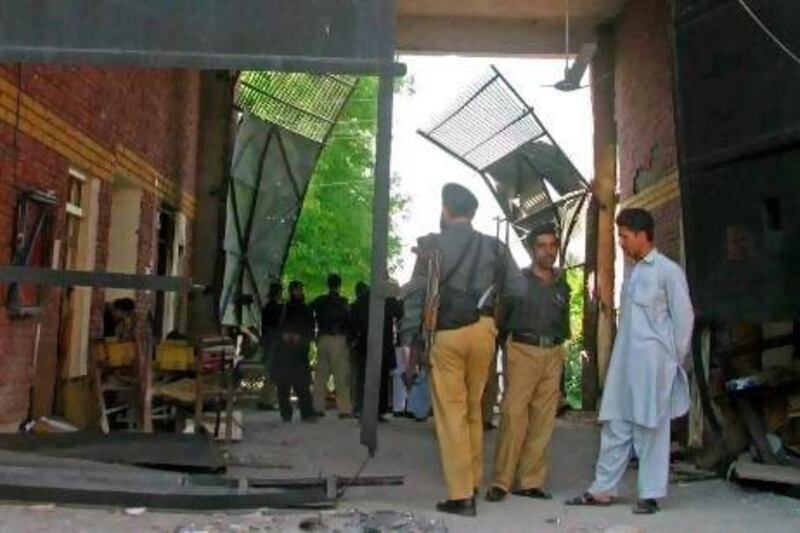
{"x": 409, "y": 448}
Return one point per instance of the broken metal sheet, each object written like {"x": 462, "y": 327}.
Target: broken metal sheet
{"x": 287, "y": 119}
{"x": 64, "y": 485}
{"x": 271, "y": 171}
{"x": 542, "y": 160}
{"x": 181, "y": 452}
{"x": 751, "y": 471}
{"x": 355, "y": 36}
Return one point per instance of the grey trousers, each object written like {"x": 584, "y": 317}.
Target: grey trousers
{"x": 617, "y": 440}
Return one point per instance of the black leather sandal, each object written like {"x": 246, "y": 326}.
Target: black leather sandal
{"x": 587, "y": 499}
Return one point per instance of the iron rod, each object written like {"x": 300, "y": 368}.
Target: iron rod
{"x": 82, "y": 278}
{"x": 380, "y": 243}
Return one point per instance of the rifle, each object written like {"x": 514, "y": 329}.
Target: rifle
{"x": 430, "y": 313}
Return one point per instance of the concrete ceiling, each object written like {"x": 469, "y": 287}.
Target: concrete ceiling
{"x": 514, "y": 27}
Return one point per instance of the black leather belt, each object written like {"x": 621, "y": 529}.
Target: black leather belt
{"x": 542, "y": 341}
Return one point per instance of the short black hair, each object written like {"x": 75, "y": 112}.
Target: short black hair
{"x": 334, "y": 281}
{"x": 637, "y": 219}
{"x": 361, "y": 288}
{"x": 295, "y": 284}
{"x": 459, "y": 200}
{"x": 548, "y": 228}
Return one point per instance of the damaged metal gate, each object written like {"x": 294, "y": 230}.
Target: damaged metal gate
{"x": 287, "y": 121}
{"x": 492, "y": 130}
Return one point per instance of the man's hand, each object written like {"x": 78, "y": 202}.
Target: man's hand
{"x": 410, "y": 371}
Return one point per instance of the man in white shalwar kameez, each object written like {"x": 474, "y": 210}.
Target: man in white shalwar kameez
{"x": 646, "y": 385}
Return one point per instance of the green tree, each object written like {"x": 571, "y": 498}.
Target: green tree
{"x": 334, "y": 232}
{"x": 573, "y": 366}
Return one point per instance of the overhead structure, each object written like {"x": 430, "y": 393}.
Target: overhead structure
{"x": 287, "y": 119}
{"x": 492, "y": 130}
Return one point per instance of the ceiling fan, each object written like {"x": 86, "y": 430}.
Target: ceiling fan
{"x": 574, "y": 73}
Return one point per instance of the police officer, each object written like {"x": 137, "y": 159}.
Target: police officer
{"x": 360, "y": 322}
{"x": 471, "y": 265}
{"x": 332, "y": 314}
{"x": 290, "y": 368}
{"x": 270, "y": 338}
{"x": 538, "y": 325}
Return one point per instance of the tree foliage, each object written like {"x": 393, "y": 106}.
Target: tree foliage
{"x": 573, "y": 367}
{"x": 334, "y": 232}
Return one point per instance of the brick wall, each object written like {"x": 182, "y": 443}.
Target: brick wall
{"x": 668, "y": 229}
{"x": 138, "y": 123}
{"x": 644, "y": 108}
{"x": 646, "y": 137}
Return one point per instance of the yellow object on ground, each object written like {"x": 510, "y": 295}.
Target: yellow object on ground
{"x": 119, "y": 353}
{"x": 175, "y": 355}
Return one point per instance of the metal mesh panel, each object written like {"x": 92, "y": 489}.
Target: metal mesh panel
{"x": 306, "y": 104}
{"x": 485, "y": 123}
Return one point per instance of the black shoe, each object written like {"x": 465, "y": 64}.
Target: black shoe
{"x": 399, "y": 414}
{"x": 420, "y": 419}
{"x": 495, "y": 494}
{"x": 264, "y": 406}
{"x": 319, "y": 414}
{"x": 345, "y": 416}
{"x": 382, "y": 419}
{"x": 310, "y": 419}
{"x": 489, "y": 426}
{"x": 646, "y": 507}
{"x": 459, "y": 507}
{"x": 538, "y": 494}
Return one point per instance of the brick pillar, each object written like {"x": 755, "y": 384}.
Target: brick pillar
{"x": 603, "y": 208}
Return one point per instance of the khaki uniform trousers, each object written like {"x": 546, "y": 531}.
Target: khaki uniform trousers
{"x": 460, "y": 360}
{"x": 333, "y": 357}
{"x": 527, "y": 416}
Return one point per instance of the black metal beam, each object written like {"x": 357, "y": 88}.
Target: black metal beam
{"x": 335, "y": 37}
{"x": 208, "y": 61}
{"x": 81, "y": 278}
{"x": 75, "y": 494}
{"x": 361, "y": 481}
{"x": 380, "y": 250}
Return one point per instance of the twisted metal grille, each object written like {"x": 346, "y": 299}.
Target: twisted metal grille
{"x": 306, "y": 104}
{"x": 486, "y": 122}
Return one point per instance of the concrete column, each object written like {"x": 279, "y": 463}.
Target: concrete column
{"x": 212, "y": 169}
